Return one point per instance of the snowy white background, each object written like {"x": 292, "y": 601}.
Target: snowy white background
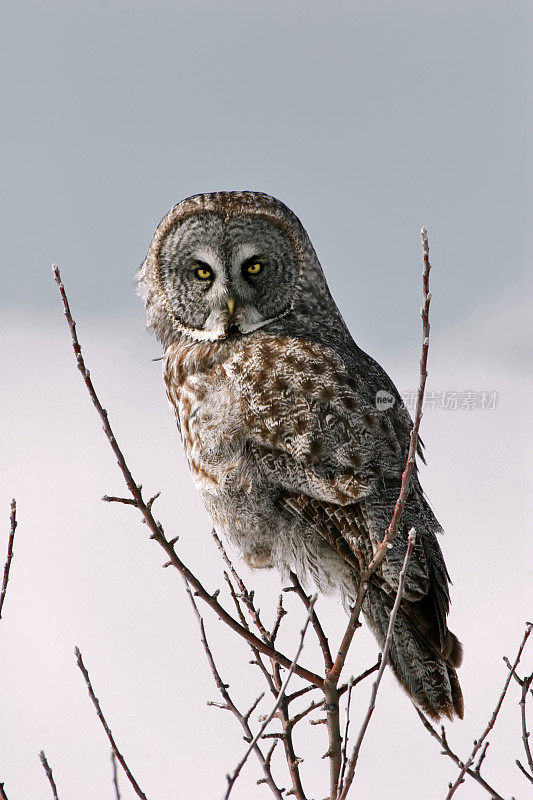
{"x": 369, "y": 120}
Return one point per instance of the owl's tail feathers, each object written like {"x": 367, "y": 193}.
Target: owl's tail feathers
{"x": 427, "y": 675}
{"x": 457, "y": 695}
{"x": 452, "y": 650}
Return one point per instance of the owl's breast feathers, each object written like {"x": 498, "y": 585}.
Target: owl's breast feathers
{"x": 285, "y": 416}
{"x": 293, "y": 403}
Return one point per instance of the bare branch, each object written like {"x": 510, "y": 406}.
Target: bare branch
{"x": 7, "y": 567}
{"x": 516, "y": 677}
{"x": 106, "y": 727}
{"x": 447, "y": 751}
{"x": 331, "y": 706}
{"x": 253, "y": 706}
{"x": 258, "y": 661}
{"x": 301, "y": 714}
{"x": 115, "y": 776}
{"x": 321, "y": 636}
{"x": 293, "y": 761}
{"x": 413, "y": 442}
{"x": 478, "y": 743}
{"x": 375, "y": 687}
{"x": 526, "y": 683}
{"x": 299, "y": 692}
{"x": 268, "y": 762}
{"x": 48, "y": 771}
{"x": 157, "y": 532}
{"x": 3, "y": 795}
{"x": 246, "y": 595}
{"x": 524, "y": 771}
{"x": 280, "y": 613}
{"x": 230, "y": 706}
{"x": 351, "y": 683}
{"x": 127, "y": 501}
{"x": 232, "y": 778}
{"x": 481, "y": 758}
{"x": 366, "y": 673}
{"x": 344, "y": 756}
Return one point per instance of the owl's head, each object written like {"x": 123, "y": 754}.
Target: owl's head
{"x": 224, "y": 263}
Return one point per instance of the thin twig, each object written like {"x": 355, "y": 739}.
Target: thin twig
{"x": 524, "y": 771}
{"x": 293, "y": 761}
{"x": 127, "y": 501}
{"x": 344, "y": 756}
{"x": 156, "y": 529}
{"x": 526, "y": 683}
{"x": 48, "y": 771}
{"x": 321, "y": 636}
{"x": 366, "y": 673}
{"x": 482, "y": 756}
{"x": 232, "y": 778}
{"x": 7, "y": 567}
{"x": 258, "y": 661}
{"x": 447, "y": 751}
{"x": 413, "y": 442}
{"x": 479, "y": 742}
{"x": 3, "y": 795}
{"x": 331, "y": 706}
{"x": 115, "y": 776}
{"x": 301, "y": 714}
{"x": 230, "y": 705}
{"x": 246, "y": 594}
{"x": 375, "y": 687}
{"x": 508, "y": 664}
{"x": 299, "y": 692}
{"x": 351, "y": 683}
{"x": 106, "y": 727}
{"x": 280, "y": 613}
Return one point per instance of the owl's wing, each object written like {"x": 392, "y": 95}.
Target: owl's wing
{"x": 337, "y": 462}
{"x": 345, "y": 528}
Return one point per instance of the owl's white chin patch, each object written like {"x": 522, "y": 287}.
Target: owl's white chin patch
{"x": 250, "y": 327}
{"x": 208, "y": 336}
{"x": 215, "y": 327}
{"x": 219, "y": 323}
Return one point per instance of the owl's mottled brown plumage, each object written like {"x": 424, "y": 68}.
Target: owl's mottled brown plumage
{"x": 277, "y": 411}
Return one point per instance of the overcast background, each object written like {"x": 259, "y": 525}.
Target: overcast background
{"x": 369, "y": 119}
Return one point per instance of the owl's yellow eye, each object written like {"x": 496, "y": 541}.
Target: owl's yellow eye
{"x": 203, "y": 273}
{"x": 254, "y": 269}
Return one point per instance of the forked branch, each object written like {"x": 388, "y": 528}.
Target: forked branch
{"x": 229, "y": 705}
{"x": 282, "y": 692}
{"x": 447, "y": 751}
{"x": 479, "y": 742}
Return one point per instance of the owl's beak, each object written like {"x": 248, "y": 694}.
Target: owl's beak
{"x": 231, "y": 305}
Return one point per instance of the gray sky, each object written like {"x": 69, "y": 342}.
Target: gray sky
{"x": 369, "y": 120}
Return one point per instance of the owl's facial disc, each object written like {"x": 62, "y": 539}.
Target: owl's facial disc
{"x": 223, "y": 276}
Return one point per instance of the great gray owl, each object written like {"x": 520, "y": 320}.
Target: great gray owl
{"x": 276, "y": 406}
